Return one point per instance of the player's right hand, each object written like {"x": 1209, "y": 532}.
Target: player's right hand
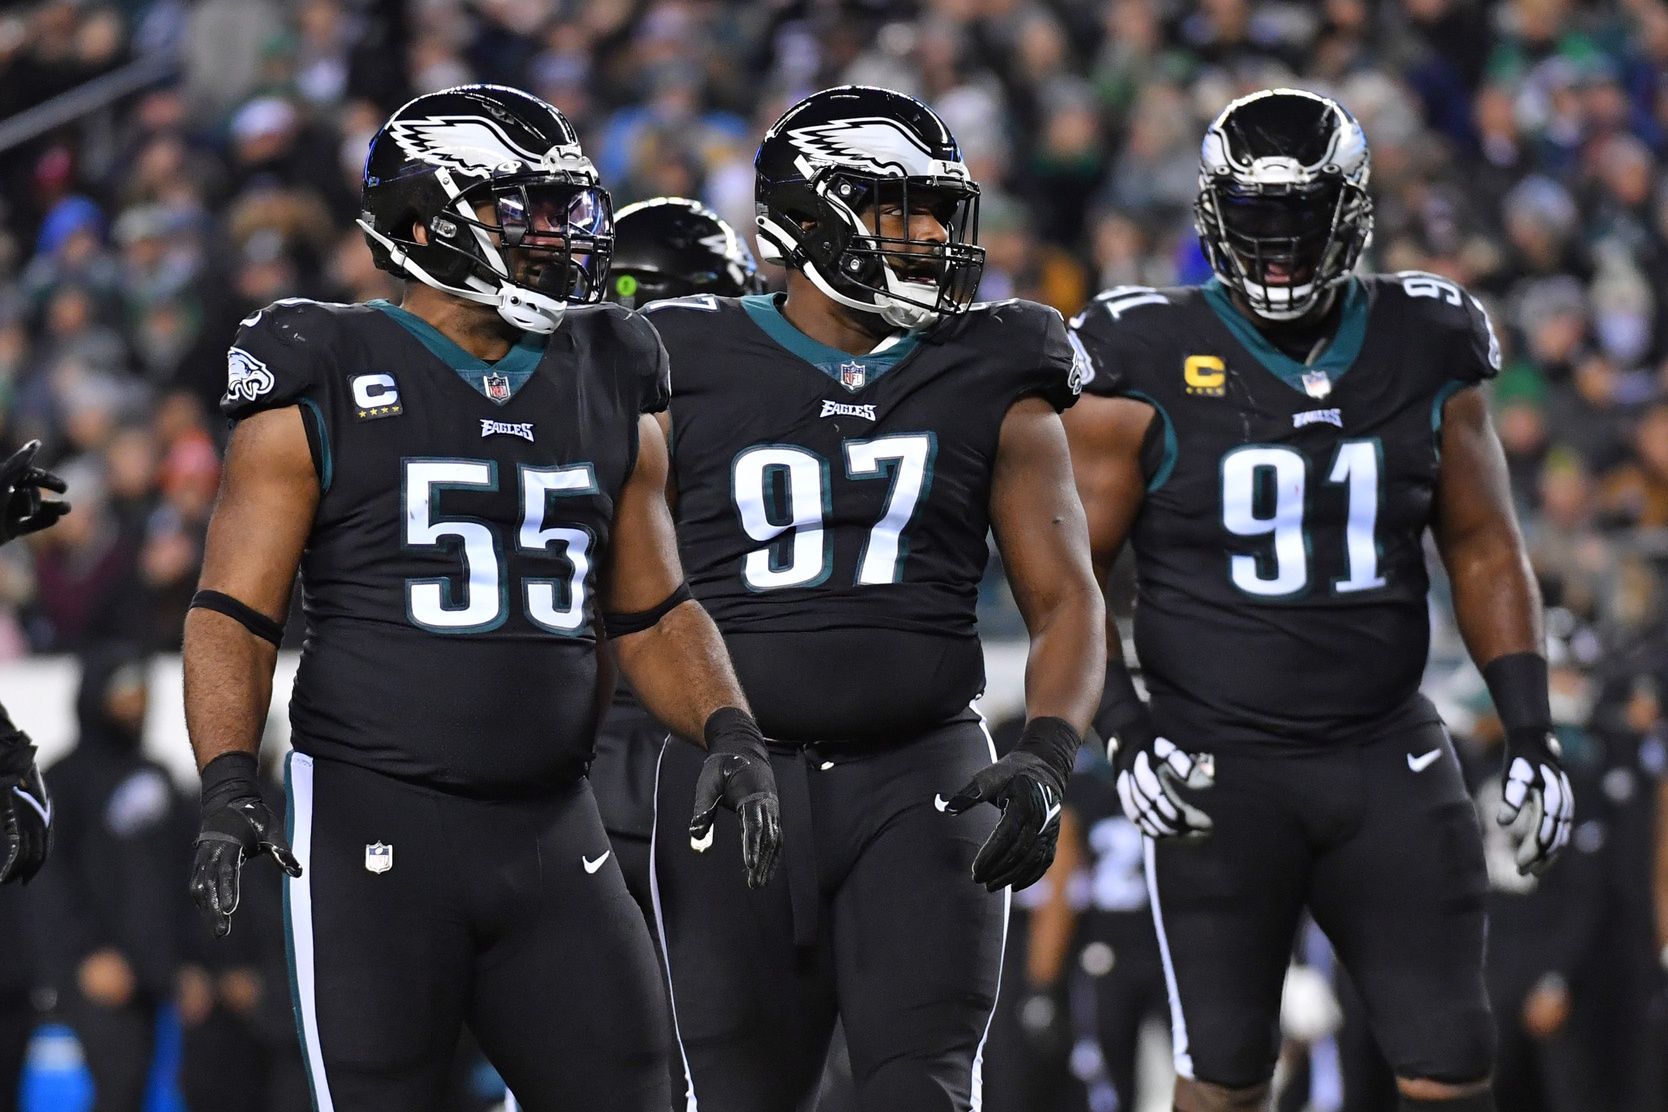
{"x": 737, "y": 775}
{"x": 237, "y": 825}
{"x": 23, "y": 510}
{"x": 1535, "y": 779}
{"x": 1151, "y": 770}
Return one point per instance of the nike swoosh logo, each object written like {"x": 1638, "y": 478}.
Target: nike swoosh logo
{"x": 941, "y": 803}
{"x": 593, "y": 866}
{"x": 1423, "y": 761}
{"x": 45, "y": 814}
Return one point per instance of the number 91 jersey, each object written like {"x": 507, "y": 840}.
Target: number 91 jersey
{"x": 1280, "y": 564}
{"x": 465, "y": 515}
{"x": 833, "y": 510}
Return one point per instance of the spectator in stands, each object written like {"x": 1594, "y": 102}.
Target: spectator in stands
{"x": 110, "y": 901}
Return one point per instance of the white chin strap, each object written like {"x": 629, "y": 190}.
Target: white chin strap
{"x": 1277, "y": 301}
{"x": 521, "y": 308}
{"x": 900, "y": 313}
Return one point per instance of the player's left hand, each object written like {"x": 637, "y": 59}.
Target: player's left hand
{"x": 24, "y": 511}
{"x": 1536, "y": 782}
{"x": 1028, "y": 784}
{"x": 737, "y": 775}
{"x": 237, "y": 825}
{"x": 25, "y": 811}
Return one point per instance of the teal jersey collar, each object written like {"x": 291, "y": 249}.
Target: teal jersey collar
{"x": 512, "y": 371}
{"x": 851, "y": 371}
{"x": 1338, "y": 357}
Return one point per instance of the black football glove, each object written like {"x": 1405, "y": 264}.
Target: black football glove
{"x": 1150, "y": 769}
{"x": 24, "y": 511}
{"x": 1029, "y": 785}
{"x": 737, "y": 775}
{"x": 237, "y": 825}
{"x": 1535, "y": 779}
{"x": 25, "y": 810}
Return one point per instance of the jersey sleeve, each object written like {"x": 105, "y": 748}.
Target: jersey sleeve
{"x": 1483, "y": 346}
{"x": 1062, "y": 366}
{"x": 1114, "y": 352}
{"x": 1469, "y": 351}
{"x": 273, "y": 361}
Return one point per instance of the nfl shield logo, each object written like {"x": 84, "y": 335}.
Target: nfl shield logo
{"x": 497, "y": 387}
{"x": 379, "y": 858}
{"x": 1316, "y": 384}
{"x": 853, "y": 375}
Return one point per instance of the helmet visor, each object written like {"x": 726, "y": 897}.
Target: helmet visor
{"x": 1279, "y": 236}
{"x": 559, "y": 236}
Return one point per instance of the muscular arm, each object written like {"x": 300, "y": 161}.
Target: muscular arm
{"x": 678, "y": 666}
{"x": 1496, "y": 600}
{"x": 1106, "y": 435}
{"x": 268, "y": 496}
{"x": 1039, "y": 527}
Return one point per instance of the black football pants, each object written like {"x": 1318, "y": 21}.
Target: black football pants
{"x": 1380, "y": 840}
{"x": 872, "y": 915}
{"x": 420, "y": 911}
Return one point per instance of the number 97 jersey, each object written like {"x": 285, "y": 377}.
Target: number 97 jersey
{"x": 1280, "y": 562}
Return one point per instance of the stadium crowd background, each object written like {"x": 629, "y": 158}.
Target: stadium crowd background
{"x": 1516, "y": 148}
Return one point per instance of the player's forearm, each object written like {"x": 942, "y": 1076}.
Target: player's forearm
{"x": 1066, "y": 665}
{"x": 228, "y": 685}
{"x": 680, "y": 669}
{"x": 1496, "y": 600}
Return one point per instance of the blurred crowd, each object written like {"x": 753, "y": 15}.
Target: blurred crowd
{"x": 1515, "y": 145}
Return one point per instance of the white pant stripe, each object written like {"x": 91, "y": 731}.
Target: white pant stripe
{"x": 978, "y": 1088}
{"x": 690, "y": 1104}
{"x": 299, "y": 897}
{"x": 1178, "y": 1022}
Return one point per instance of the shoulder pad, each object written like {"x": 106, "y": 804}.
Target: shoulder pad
{"x": 1118, "y": 329}
{"x": 273, "y": 361}
{"x": 1054, "y": 366}
{"x": 644, "y": 356}
{"x": 1453, "y": 315}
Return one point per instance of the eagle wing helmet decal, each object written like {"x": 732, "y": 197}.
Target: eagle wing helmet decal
{"x": 875, "y": 144}
{"x": 472, "y": 144}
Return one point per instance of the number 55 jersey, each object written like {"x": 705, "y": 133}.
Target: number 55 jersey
{"x": 465, "y": 514}
{"x": 1281, "y": 572}
{"x": 832, "y": 509}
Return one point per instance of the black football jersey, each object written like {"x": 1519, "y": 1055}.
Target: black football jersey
{"x": 466, "y": 510}
{"x": 832, "y": 509}
{"x": 1279, "y": 551}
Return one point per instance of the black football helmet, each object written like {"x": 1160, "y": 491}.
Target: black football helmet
{"x": 839, "y": 154}
{"x": 1283, "y": 212}
{"x": 444, "y": 155}
{"x": 674, "y": 247}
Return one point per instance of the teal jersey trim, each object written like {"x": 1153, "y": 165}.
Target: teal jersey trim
{"x": 1171, "y": 448}
{"x": 517, "y": 366}
{"x": 1338, "y": 357}
{"x": 1449, "y": 389}
{"x": 765, "y": 313}
{"x": 326, "y": 464}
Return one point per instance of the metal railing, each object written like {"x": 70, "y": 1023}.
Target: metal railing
{"x": 87, "y": 98}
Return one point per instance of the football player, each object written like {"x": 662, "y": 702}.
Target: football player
{"x": 1275, "y": 444}
{"x": 663, "y": 247}
{"x": 25, "y": 805}
{"x": 839, "y": 455}
{"x": 467, "y": 481}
